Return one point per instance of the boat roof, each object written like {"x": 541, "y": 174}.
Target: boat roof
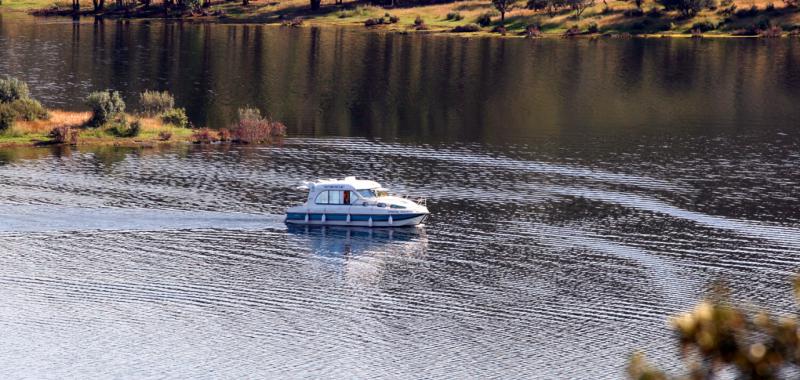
{"x": 348, "y": 183}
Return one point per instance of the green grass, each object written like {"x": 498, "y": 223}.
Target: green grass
{"x": 24, "y": 5}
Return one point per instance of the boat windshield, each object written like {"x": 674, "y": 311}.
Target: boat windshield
{"x": 372, "y": 193}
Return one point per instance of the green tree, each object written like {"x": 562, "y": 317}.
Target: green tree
{"x": 687, "y": 8}
{"x": 503, "y": 6}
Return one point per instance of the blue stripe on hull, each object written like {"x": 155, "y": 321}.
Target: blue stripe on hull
{"x": 353, "y": 217}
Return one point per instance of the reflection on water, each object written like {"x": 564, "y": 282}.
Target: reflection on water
{"x": 343, "y": 82}
{"x": 361, "y": 255}
{"x": 345, "y": 242}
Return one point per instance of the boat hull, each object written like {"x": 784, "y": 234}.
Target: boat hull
{"x": 360, "y": 220}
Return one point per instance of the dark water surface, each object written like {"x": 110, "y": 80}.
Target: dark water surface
{"x": 582, "y": 192}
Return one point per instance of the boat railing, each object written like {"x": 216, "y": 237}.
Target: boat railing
{"x": 418, "y": 200}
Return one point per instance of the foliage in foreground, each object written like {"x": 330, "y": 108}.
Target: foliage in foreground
{"x": 716, "y": 336}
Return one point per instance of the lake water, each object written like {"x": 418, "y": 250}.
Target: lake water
{"x": 582, "y": 192}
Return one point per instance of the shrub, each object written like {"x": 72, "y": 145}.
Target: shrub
{"x": 224, "y": 134}
{"x": 484, "y": 19}
{"x": 655, "y": 12}
{"x": 123, "y": 129}
{"x": 762, "y": 23}
{"x": 118, "y": 126}
{"x": 419, "y": 21}
{"x": 770, "y": 7}
{"x": 105, "y": 106}
{"x": 635, "y": 12}
{"x": 536, "y": 5}
{"x": 176, "y": 117}
{"x": 7, "y": 117}
{"x": 28, "y": 109}
{"x": 12, "y": 89}
{"x": 394, "y": 19}
{"x": 500, "y": 29}
{"x": 253, "y": 128}
{"x": 719, "y": 339}
{"x": 749, "y": 12}
{"x": 373, "y": 21}
{"x": 704, "y": 26}
{"x": 154, "y": 102}
{"x": 592, "y": 28}
{"x": 772, "y": 32}
{"x": 164, "y": 135}
{"x": 572, "y": 31}
{"x": 532, "y": 31}
{"x": 62, "y": 135}
{"x": 454, "y": 16}
{"x": 468, "y": 28}
{"x": 203, "y": 136}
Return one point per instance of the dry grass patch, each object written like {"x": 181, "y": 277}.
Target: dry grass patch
{"x": 57, "y": 118}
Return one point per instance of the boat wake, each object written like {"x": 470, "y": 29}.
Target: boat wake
{"x": 50, "y": 218}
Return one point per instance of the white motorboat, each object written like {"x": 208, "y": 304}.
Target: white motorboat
{"x": 355, "y": 202}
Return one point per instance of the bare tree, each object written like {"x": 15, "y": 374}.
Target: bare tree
{"x": 579, "y": 6}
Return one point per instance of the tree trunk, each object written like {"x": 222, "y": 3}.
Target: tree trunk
{"x": 502, "y": 17}
{"x": 245, "y": 2}
{"x": 315, "y": 4}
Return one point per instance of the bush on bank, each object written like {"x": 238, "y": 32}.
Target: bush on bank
{"x": 154, "y": 102}
{"x": 176, "y": 117}
{"x": 158, "y": 120}
{"x": 16, "y": 104}
{"x": 253, "y": 128}
{"x": 105, "y": 105}
{"x": 12, "y": 89}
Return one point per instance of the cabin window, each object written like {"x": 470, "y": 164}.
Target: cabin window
{"x": 333, "y": 197}
{"x": 366, "y": 193}
{"x": 322, "y": 198}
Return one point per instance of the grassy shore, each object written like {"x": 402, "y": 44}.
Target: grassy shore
{"x": 37, "y": 132}
{"x": 747, "y": 18}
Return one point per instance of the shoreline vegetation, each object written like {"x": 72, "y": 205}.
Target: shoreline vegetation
{"x": 523, "y": 18}
{"x": 25, "y": 122}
